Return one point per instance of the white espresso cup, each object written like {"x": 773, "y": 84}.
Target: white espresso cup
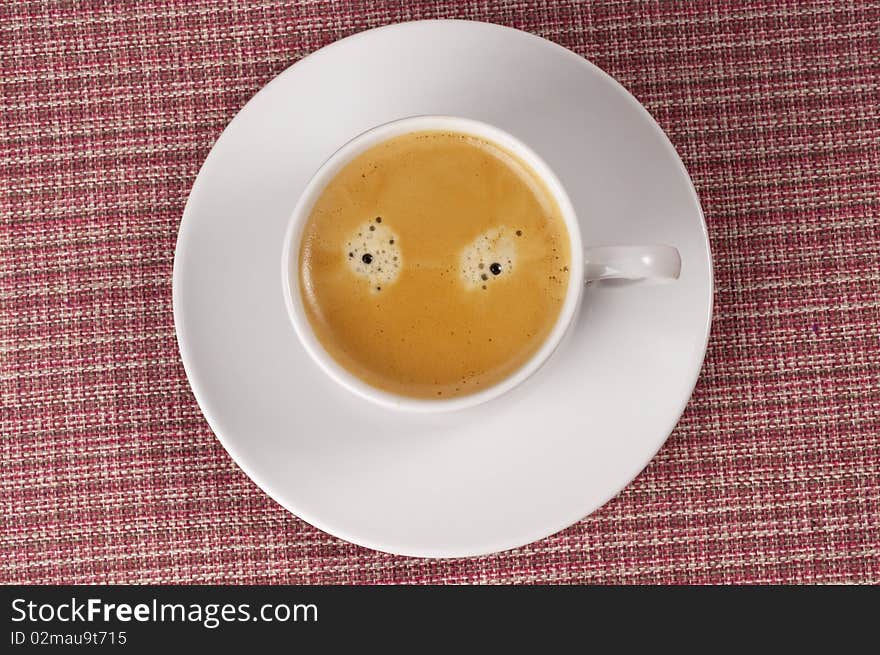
{"x": 587, "y": 264}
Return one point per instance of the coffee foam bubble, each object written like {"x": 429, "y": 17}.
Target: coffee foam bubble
{"x": 373, "y": 253}
{"x": 488, "y": 258}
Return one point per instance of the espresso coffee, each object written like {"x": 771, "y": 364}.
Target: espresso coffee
{"x": 434, "y": 265}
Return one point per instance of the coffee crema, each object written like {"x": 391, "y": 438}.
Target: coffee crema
{"x": 434, "y": 265}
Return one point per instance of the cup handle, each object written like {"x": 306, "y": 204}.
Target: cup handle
{"x": 657, "y": 262}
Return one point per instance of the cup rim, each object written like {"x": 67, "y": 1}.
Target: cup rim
{"x": 315, "y": 186}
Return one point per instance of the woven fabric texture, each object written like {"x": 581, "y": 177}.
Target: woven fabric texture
{"x": 108, "y": 472}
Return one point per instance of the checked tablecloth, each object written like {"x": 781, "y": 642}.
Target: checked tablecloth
{"x": 108, "y": 472}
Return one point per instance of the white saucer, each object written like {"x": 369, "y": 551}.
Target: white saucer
{"x": 499, "y": 475}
